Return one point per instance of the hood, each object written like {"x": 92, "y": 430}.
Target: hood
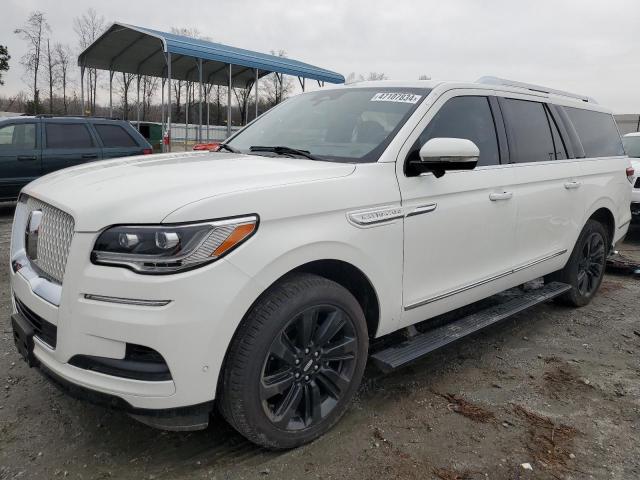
{"x": 145, "y": 189}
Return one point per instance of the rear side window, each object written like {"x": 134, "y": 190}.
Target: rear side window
{"x": 597, "y": 132}
{"x": 114, "y": 136}
{"x": 21, "y": 135}
{"x": 528, "y": 130}
{"x": 68, "y": 135}
{"x": 465, "y": 117}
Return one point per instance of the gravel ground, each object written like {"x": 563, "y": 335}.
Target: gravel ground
{"x": 556, "y": 388}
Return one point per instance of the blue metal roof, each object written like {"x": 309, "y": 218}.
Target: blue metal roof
{"x": 134, "y": 49}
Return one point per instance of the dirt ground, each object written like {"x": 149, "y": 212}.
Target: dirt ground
{"x": 556, "y": 388}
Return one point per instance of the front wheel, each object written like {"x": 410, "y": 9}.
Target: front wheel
{"x": 585, "y": 269}
{"x": 295, "y": 362}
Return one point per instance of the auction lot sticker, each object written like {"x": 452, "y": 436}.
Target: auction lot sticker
{"x": 396, "y": 97}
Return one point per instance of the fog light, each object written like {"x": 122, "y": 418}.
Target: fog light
{"x": 167, "y": 240}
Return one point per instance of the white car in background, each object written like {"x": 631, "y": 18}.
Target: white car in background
{"x": 632, "y": 147}
{"x": 257, "y": 279}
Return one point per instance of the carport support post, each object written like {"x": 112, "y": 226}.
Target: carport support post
{"x": 110, "y": 93}
{"x": 82, "y": 90}
{"x": 138, "y": 104}
{"x": 257, "y": 76}
{"x": 162, "y": 112}
{"x": 229, "y": 101}
{"x": 168, "y": 101}
{"x": 207, "y": 93}
{"x": 200, "y": 100}
{"x": 186, "y": 117}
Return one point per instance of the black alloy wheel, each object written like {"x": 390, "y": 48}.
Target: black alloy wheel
{"x": 309, "y": 367}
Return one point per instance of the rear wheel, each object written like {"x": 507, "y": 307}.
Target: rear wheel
{"x": 295, "y": 362}
{"x": 585, "y": 269}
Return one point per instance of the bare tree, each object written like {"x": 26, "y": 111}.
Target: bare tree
{"x": 369, "y": 77}
{"x": 4, "y": 61}
{"x": 124, "y": 85}
{"x": 63, "y": 57}
{"x": 51, "y": 64}
{"x": 149, "y": 88}
{"x": 276, "y": 86}
{"x": 88, "y": 27}
{"x": 33, "y": 32}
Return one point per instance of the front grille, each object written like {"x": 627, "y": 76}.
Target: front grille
{"x": 637, "y": 184}
{"x": 45, "y": 331}
{"x": 54, "y": 238}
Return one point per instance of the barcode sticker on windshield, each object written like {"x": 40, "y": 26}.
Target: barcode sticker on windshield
{"x": 396, "y": 97}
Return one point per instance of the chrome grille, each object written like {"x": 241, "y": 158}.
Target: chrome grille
{"x": 54, "y": 239}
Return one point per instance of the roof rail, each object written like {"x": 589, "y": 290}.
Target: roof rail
{"x": 534, "y": 88}
{"x": 53, "y": 115}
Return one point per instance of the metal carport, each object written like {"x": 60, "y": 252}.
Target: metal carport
{"x": 143, "y": 51}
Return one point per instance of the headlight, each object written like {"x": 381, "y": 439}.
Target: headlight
{"x": 157, "y": 249}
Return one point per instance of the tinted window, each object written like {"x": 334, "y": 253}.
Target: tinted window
{"x": 465, "y": 117}
{"x": 114, "y": 136}
{"x": 632, "y": 145}
{"x": 21, "y": 135}
{"x": 597, "y": 132}
{"x": 528, "y": 131}
{"x": 68, "y": 135}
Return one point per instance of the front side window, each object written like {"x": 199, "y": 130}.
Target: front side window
{"x": 632, "y": 145}
{"x": 344, "y": 125}
{"x": 528, "y": 131}
{"x": 114, "y": 136}
{"x": 597, "y": 132}
{"x": 68, "y": 135}
{"x": 465, "y": 117}
{"x": 20, "y": 135}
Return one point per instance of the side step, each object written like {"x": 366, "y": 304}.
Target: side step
{"x": 424, "y": 343}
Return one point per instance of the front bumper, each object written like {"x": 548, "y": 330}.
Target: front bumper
{"x": 191, "y": 332}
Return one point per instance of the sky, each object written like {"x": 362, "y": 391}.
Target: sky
{"x": 588, "y": 47}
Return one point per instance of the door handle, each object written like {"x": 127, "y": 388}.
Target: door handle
{"x": 90, "y": 155}
{"x": 495, "y": 197}
{"x": 24, "y": 158}
{"x": 572, "y": 185}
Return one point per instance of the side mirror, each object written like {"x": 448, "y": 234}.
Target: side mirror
{"x": 441, "y": 154}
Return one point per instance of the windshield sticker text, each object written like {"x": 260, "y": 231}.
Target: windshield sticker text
{"x": 396, "y": 97}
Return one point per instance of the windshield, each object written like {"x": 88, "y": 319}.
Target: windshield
{"x": 632, "y": 145}
{"x": 345, "y": 125}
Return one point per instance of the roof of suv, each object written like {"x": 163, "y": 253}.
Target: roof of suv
{"x": 492, "y": 84}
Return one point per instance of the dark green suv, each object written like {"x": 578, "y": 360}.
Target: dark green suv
{"x": 34, "y": 146}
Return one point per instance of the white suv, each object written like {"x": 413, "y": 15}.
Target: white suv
{"x": 631, "y": 143}
{"x": 259, "y": 275}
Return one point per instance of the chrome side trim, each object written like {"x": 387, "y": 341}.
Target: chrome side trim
{"x": 375, "y": 216}
{"x": 464, "y": 288}
{"x": 127, "y": 301}
{"x": 420, "y": 209}
{"x": 540, "y": 260}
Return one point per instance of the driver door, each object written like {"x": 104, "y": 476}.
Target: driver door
{"x": 459, "y": 230}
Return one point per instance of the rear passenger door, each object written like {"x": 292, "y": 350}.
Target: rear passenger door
{"x": 115, "y": 140}
{"x": 67, "y": 142}
{"x": 19, "y": 156}
{"x": 546, "y": 186}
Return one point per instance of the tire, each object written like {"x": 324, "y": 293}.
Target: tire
{"x": 276, "y": 393}
{"x": 585, "y": 269}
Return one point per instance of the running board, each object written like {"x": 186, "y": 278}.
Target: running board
{"x": 416, "y": 347}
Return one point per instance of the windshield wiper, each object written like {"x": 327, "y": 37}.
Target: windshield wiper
{"x": 281, "y": 150}
{"x": 229, "y": 148}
